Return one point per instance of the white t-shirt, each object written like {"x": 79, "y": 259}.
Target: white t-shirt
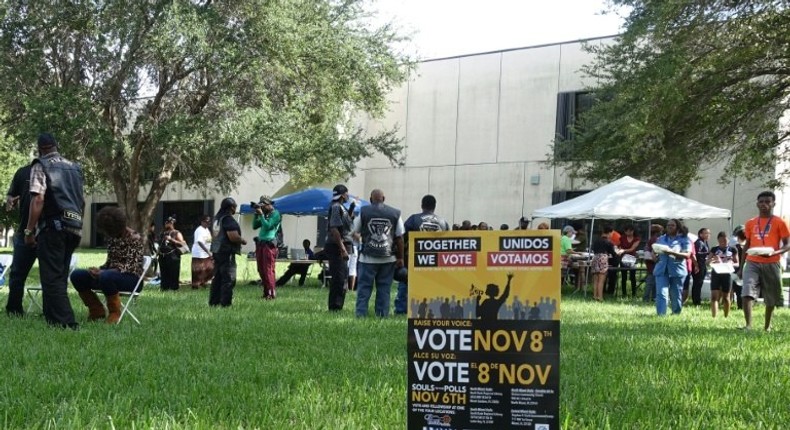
{"x": 202, "y": 235}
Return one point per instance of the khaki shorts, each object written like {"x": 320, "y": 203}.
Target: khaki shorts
{"x": 765, "y": 277}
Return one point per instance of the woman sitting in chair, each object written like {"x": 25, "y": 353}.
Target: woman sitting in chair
{"x": 120, "y": 272}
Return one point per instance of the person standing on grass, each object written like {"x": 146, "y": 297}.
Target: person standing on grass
{"x": 267, "y": 219}
{"x": 650, "y": 263}
{"x": 426, "y": 220}
{"x": 629, "y": 243}
{"x": 701, "y": 252}
{"x": 225, "y": 244}
{"x": 120, "y": 272}
{"x": 602, "y": 250}
{"x": 19, "y": 196}
{"x": 614, "y": 260}
{"x": 691, "y": 265}
{"x": 763, "y": 273}
{"x": 170, "y": 256}
{"x": 738, "y": 242}
{"x": 721, "y": 283}
{"x": 338, "y": 246}
{"x": 202, "y": 261}
{"x": 353, "y": 263}
{"x": 56, "y": 209}
{"x": 381, "y": 228}
{"x": 671, "y": 269}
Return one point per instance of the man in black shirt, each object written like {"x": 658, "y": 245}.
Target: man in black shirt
{"x": 55, "y": 224}
{"x": 338, "y": 246}
{"x": 226, "y": 243}
{"x": 19, "y": 196}
{"x": 426, "y": 220}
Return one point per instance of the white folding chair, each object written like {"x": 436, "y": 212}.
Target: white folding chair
{"x": 5, "y": 261}
{"x": 132, "y": 296}
{"x": 33, "y": 293}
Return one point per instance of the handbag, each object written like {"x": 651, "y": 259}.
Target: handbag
{"x": 183, "y": 249}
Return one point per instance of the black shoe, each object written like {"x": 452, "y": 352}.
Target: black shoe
{"x": 15, "y": 313}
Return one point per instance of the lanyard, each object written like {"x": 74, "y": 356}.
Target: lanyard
{"x": 764, "y": 231}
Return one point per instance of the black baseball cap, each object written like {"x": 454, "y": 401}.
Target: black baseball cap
{"x": 338, "y": 191}
{"x": 46, "y": 140}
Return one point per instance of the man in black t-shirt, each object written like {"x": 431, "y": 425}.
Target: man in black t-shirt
{"x": 226, "y": 243}
{"x": 423, "y": 221}
{"x": 338, "y": 246}
{"x": 19, "y": 196}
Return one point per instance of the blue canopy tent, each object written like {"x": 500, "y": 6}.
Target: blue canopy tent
{"x": 312, "y": 201}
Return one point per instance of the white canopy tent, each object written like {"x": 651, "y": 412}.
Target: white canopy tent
{"x": 630, "y": 198}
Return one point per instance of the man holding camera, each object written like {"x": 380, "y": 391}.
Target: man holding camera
{"x": 267, "y": 219}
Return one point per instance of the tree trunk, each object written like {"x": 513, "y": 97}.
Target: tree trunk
{"x": 140, "y": 215}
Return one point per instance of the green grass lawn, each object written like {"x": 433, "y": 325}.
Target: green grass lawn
{"x": 289, "y": 364}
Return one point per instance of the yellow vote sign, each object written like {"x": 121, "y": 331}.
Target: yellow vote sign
{"x": 483, "y": 343}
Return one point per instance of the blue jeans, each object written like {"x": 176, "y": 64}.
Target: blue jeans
{"x": 110, "y": 282}
{"x": 381, "y": 274}
{"x": 24, "y": 257}
{"x": 401, "y": 299}
{"x": 650, "y": 288}
{"x": 673, "y": 286}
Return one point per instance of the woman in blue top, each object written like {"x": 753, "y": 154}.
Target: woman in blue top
{"x": 671, "y": 267}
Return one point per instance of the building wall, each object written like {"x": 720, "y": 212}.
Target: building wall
{"x": 478, "y": 128}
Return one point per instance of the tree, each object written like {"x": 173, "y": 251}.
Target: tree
{"x": 10, "y": 161}
{"x": 145, "y": 93}
{"x": 687, "y": 81}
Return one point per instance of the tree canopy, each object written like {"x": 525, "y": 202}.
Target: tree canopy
{"x": 687, "y": 81}
{"x": 10, "y": 160}
{"x": 144, "y": 93}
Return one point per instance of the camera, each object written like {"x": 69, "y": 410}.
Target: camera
{"x": 256, "y": 205}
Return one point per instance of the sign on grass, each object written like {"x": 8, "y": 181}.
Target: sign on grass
{"x": 484, "y": 330}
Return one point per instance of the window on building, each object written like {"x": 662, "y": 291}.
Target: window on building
{"x": 570, "y": 106}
